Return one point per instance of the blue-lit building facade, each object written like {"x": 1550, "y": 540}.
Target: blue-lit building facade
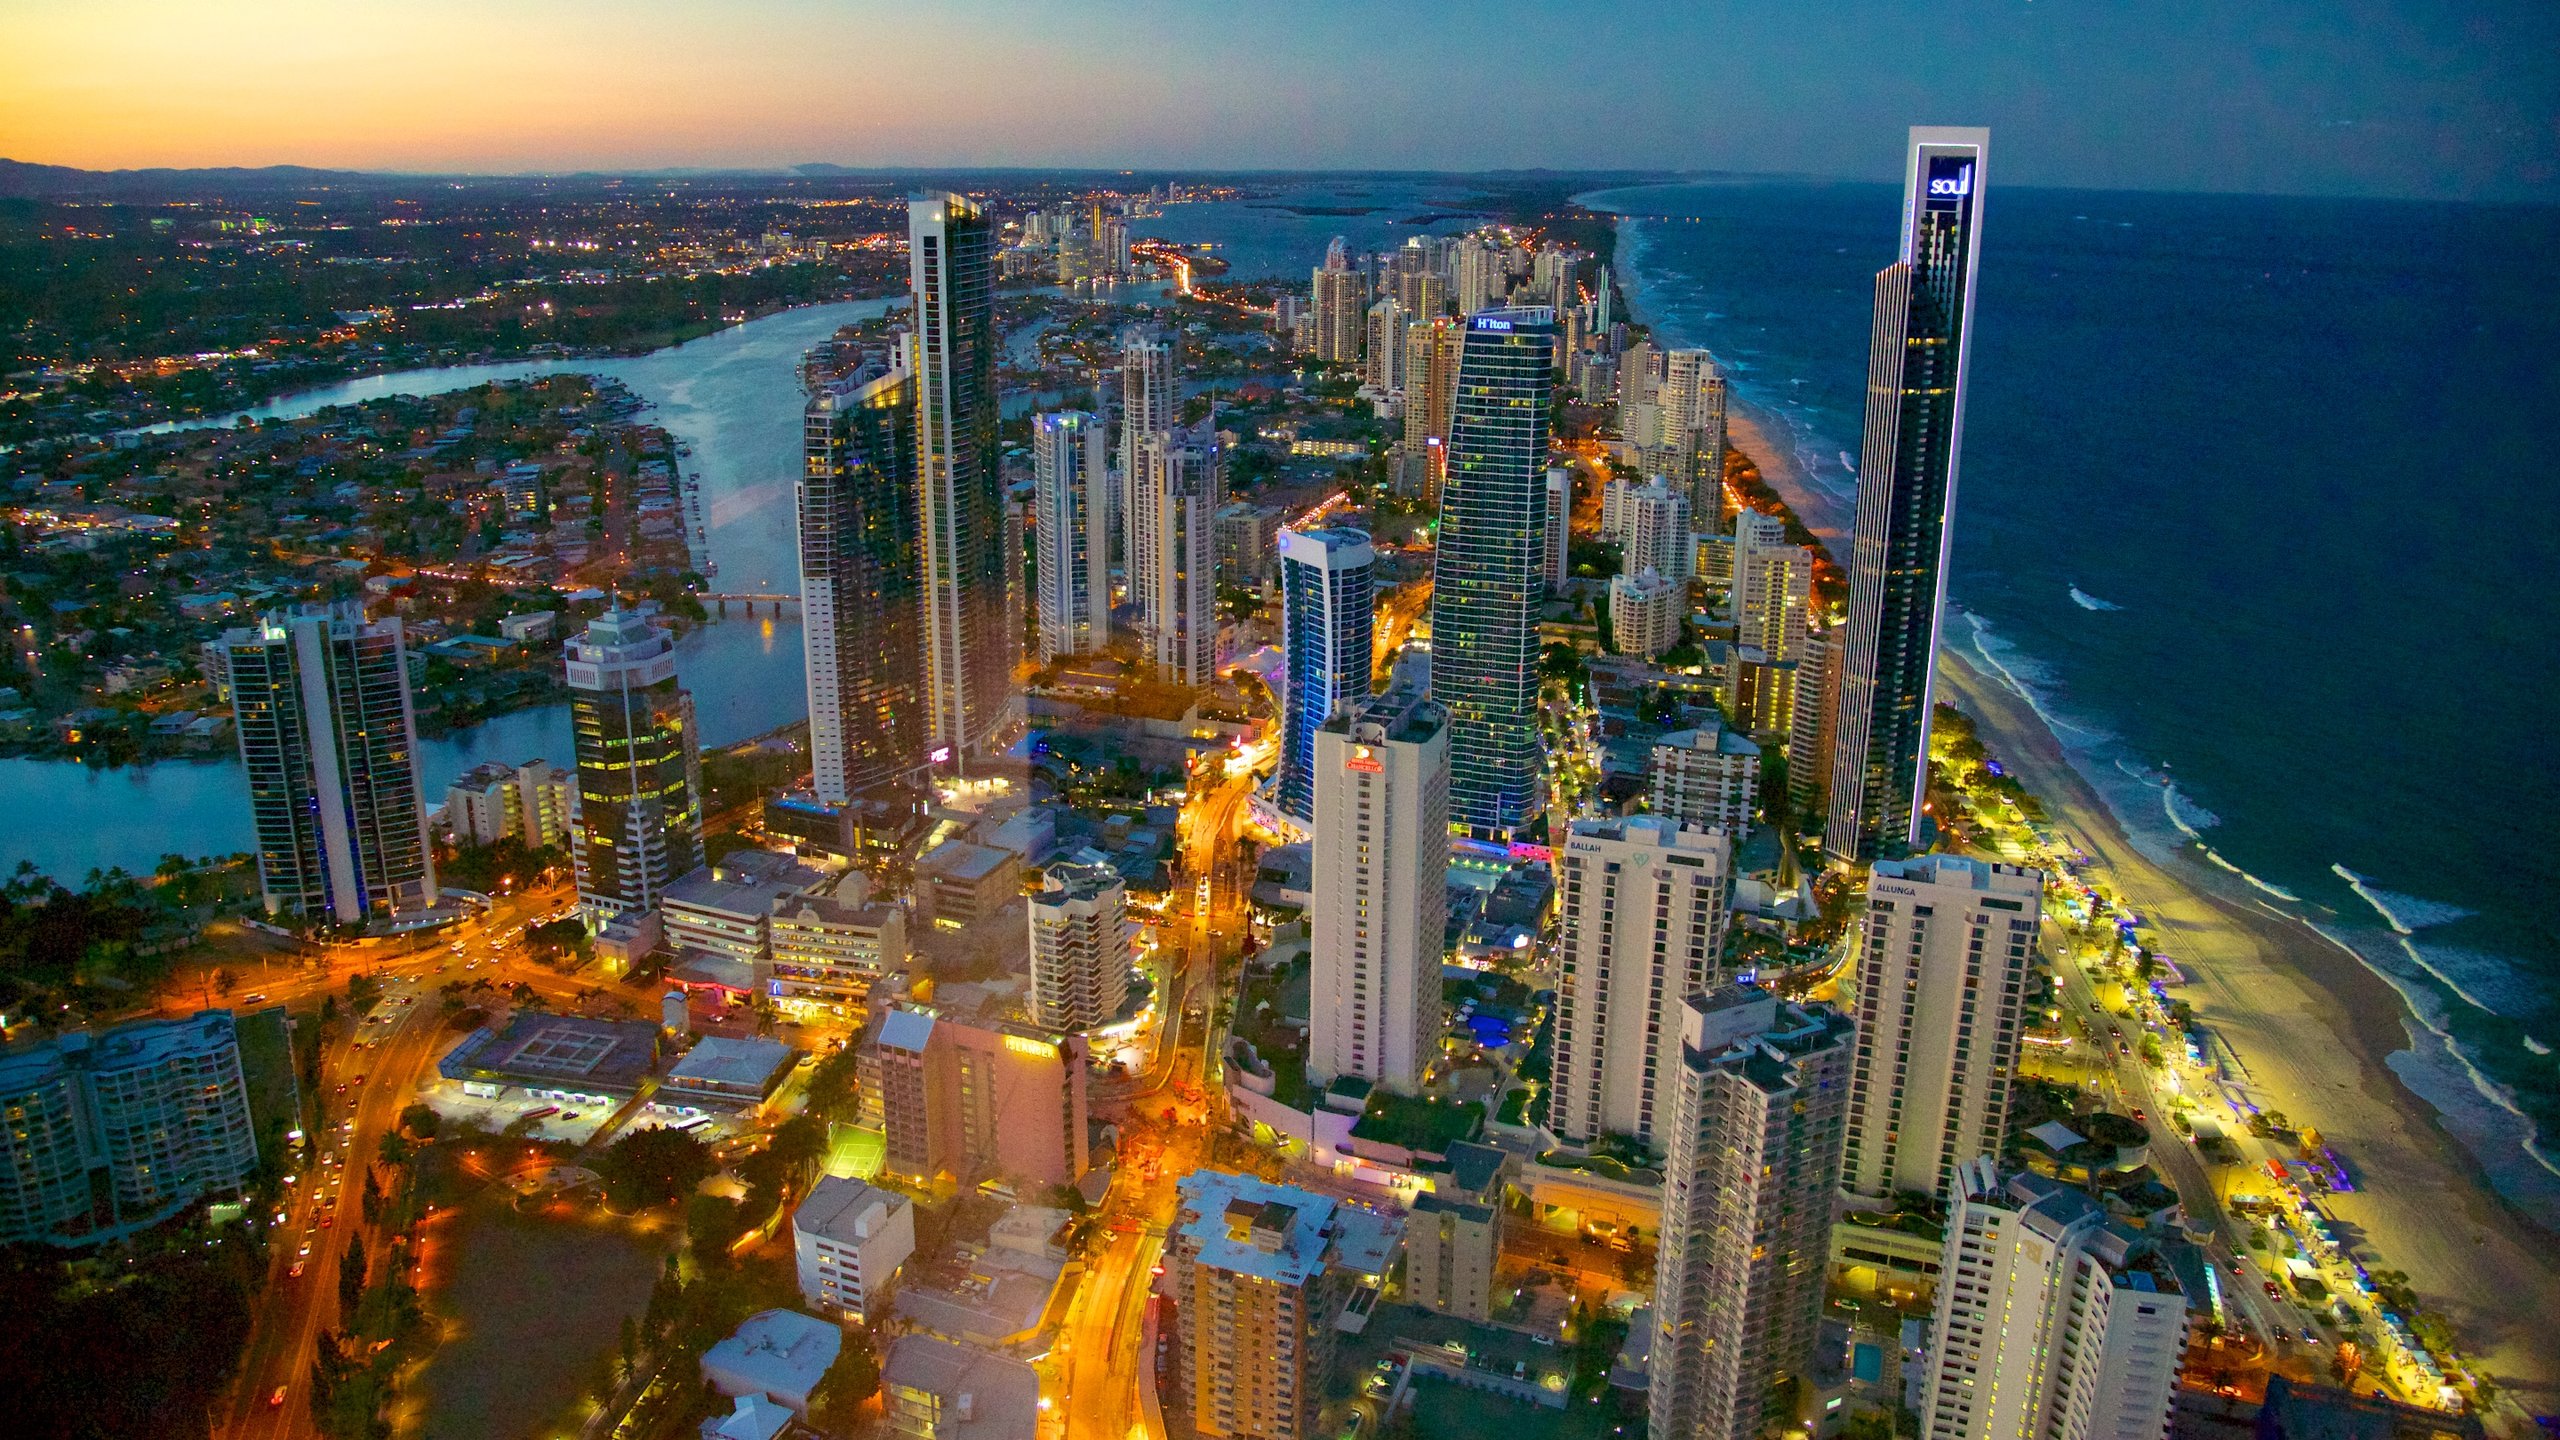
{"x": 1489, "y": 573}
{"x": 1327, "y": 586}
{"x": 1906, "y": 494}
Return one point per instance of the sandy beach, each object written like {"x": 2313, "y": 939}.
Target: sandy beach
{"x": 2312, "y": 1027}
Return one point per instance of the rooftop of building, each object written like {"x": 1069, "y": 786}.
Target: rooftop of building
{"x": 778, "y": 1352}
{"x": 1079, "y": 882}
{"x": 1660, "y": 831}
{"x": 541, "y": 1046}
{"x": 753, "y": 1418}
{"x": 839, "y": 1207}
{"x": 745, "y": 882}
{"x": 902, "y": 1028}
{"x": 1982, "y": 875}
{"x": 1431, "y": 1203}
{"x": 1405, "y": 714}
{"x": 960, "y": 860}
{"x": 732, "y": 1061}
{"x": 134, "y": 1043}
{"x": 1280, "y": 1233}
{"x": 1002, "y": 1393}
{"x": 1704, "y": 737}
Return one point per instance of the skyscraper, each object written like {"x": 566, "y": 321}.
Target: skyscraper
{"x": 329, "y": 742}
{"x": 1906, "y": 494}
{"x": 1150, "y": 404}
{"x": 1176, "y": 485}
{"x": 638, "y": 815}
{"x": 1079, "y": 947}
{"x": 1432, "y": 350}
{"x": 861, "y": 596}
{"x": 1772, "y": 586}
{"x": 1070, "y": 465}
{"x": 1379, "y": 901}
{"x": 2053, "y": 1321}
{"x": 1689, "y": 443}
{"x": 1943, "y": 961}
{"x": 1383, "y": 367}
{"x": 1754, "y": 1145}
{"x": 1261, "y": 1274}
{"x": 969, "y": 636}
{"x": 1656, "y": 532}
{"x": 1326, "y": 580}
{"x": 1341, "y": 308}
{"x": 1645, "y": 902}
{"x": 1490, "y": 570}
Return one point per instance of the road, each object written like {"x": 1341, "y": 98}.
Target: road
{"x": 368, "y": 1074}
{"x": 2125, "y": 1085}
{"x": 1098, "y": 1351}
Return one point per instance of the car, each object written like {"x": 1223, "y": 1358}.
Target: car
{"x": 296, "y": 1272}
{"x": 2272, "y": 1292}
{"x": 357, "y": 1081}
{"x": 305, "y": 1252}
{"x": 276, "y": 1400}
{"x": 2310, "y": 1336}
{"x": 328, "y": 1220}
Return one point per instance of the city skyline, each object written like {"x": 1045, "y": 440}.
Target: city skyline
{"x": 2450, "y": 107}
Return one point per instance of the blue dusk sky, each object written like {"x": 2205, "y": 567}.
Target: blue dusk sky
{"x": 2355, "y": 97}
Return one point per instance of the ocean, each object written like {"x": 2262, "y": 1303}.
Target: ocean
{"x": 2258, "y": 509}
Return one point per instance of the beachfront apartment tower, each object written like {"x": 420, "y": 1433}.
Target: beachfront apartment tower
{"x": 1772, "y": 586}
{"x": 1689, "y": 435}
{"x": 1898, "y": 548}
{"x": 1943, "y": 959}
{"x": 113, "y": 1131}
{"x": 1645, "y": 904}
{"x": 1489, "y": 571}
{"x": 1379, "y": 903}
{"x": 2053, "y": 1322}
{"x": 969, "y": 633}
{"x": 329, "y": 742}
{"x": 638, "y": 813}
{"x": 1261, "y": 1274}
{"x": 861, "y": 594}
{"x": 1080, "y": 936}
{"x": 1327, "y": 621}
{"x": 1754, "y": 1158}
{"x": 1150, "y": 404}
{"x": 1071, "y": 533}
{"x": 1176, "y": 489}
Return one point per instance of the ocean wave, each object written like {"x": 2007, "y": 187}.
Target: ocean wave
{"x": 2430, "y": 1015}
{"x": 2486, "y": 982}
{"x": 2405, "y": 914}
{"x": 2022, "y": 676}
{"x": 2536, "y": 1046}
{"x": 1848, "y": 464}
{"x": 2087, "y": 601}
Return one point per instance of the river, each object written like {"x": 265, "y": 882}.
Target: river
{"x": 734, "y": 397}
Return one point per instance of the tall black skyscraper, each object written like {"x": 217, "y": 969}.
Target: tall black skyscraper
{"x": 1490, "y": 572}
{"x": 861, "y": 582}
{"x": 969, "y": 634}
{"x": 1906, "y": 493}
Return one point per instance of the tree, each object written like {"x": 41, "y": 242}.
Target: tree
{"x": 224, "y": 982}
{"x": 421, "y": 1121}
{"x": 854, "y": 1380}
{"x": 655, "y": 1166}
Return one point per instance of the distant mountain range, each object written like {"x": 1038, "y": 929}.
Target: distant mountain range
{"x": 21, "y": 180}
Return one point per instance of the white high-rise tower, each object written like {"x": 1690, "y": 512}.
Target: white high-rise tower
{"x": 1380, "y": 900}
{"x": 1070, "y": 467}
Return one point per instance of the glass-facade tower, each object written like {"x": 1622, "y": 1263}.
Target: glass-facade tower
{"x": 861, "y": 596}
{"x": 1327, "y": 585}
{"x": 1906, "y": 493}
{"x": 970, "y": 633}
{"x": 638, "y": 819}
{"x": 329, "y": 742}
{"x": 1489, "y": 571}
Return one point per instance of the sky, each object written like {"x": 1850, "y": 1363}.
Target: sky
{"x": 2352, "y": 97}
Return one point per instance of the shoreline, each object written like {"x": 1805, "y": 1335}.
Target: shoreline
{"x": 2315, "y": 1026}
{"x": 2313, "y": 1030}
